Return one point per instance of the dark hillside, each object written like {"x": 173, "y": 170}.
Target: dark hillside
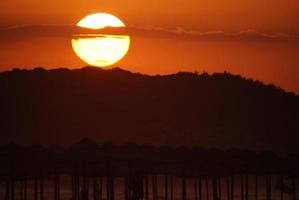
{"x": 219, "y": 110}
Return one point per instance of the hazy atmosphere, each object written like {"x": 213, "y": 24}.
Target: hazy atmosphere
{"x": 257, "y": 39}
{"x": 149, "y": 100}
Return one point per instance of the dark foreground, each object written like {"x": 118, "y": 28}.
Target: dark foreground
{"x": 219, "y": 110}
{"x": 87, "y": 170}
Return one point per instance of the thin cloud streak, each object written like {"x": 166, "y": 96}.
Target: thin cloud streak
{"x": 19, "y": 33}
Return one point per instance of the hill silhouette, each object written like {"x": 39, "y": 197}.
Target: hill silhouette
{"x": 221, "y": 110}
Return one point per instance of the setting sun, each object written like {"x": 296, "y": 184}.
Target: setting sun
{"x": 99, "y": 49}
{"x": 100, "y": 20}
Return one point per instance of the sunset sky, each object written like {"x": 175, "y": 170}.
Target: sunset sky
{"x": 257, "y": 39}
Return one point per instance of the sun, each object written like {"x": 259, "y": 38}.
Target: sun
{"x": 100, "y": 49}
{"x": 100, "y": 20}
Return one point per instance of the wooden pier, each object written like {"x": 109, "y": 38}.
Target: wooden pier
{"x": 97, "y": 172}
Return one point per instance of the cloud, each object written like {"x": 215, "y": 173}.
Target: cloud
{"x": 17, "y": 33}
{"x": 246, "y": 35}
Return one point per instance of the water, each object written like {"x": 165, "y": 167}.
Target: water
{"x": 207, "y": 188}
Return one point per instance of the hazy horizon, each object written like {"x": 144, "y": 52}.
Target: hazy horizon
{"x": 253, "y": 38}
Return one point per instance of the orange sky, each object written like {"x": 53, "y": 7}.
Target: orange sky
{"x": 206, "y": 15}
{"x": 159, "y": 49}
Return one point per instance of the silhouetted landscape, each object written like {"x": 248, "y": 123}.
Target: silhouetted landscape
{"x": 220, "y": 110}
{"x": 180, "y": 136}
{"x": 205, "y": 105}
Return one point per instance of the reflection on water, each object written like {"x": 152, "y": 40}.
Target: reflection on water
{"x": 119, "y": 194}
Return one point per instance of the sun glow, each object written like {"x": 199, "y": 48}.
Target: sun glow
{"x": 100, "y": 20}
{"x": 98, "y": 49}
